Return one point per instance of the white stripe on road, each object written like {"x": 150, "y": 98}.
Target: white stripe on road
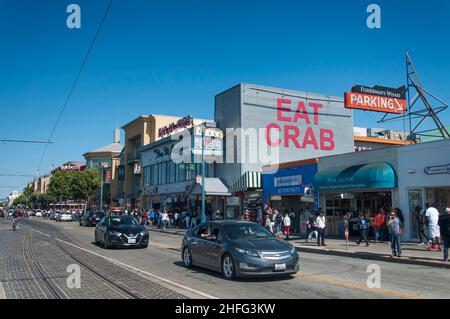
{"x": 2, "y": 292}
{"x": 131, "y": 267}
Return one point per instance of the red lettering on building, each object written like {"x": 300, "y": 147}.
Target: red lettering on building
{"x": 281, "y": 108}
{"x": 293, "y": 137}
{"x": 316, "y": 107}
{"x": 268, "y": 140}
{"x": 301, "y": 113}
{"x": 310, "y": 138}
{"x": 326, "y": 139}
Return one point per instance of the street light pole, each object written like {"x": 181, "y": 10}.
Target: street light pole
{"x": 203, "y": 217}
{"x": 101, "y": 190}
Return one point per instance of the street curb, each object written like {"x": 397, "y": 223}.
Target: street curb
{"x": 372, "y": 256}
{"x": 360, "y": 255}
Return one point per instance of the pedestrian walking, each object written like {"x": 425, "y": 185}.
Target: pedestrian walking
{"x": 346, "y": 229}
{"x": 432, "y": 215}
{"x": 444, "y": 225}
{"x": 278, "y": 219}
{"x": 311, "y": 228}
{"x": 363, "y": 225}
{"x": 268, "y": 223}
{"x": 286, "y": 225}
{"x": 378, "y": 225}
{"x": 395, "y": 230}
{"x": 193, "y": 216}
{"x": 421, "y": 225}
{"x": 321, "y": 227}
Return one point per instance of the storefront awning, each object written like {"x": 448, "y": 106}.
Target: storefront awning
{"x": 213, "y": 187}
{"x": 249, "y": 180}
{"x": 368, "y": 176}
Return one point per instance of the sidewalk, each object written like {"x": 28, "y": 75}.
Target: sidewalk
{"x": 411, "y": 252}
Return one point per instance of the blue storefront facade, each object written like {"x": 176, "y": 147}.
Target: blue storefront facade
{"x": 289, "y": 186}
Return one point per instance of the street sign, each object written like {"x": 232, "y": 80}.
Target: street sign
{"x": 375, "y": 103}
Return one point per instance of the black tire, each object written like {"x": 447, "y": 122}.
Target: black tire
{"x": 228, "y": 267}
{"x": 187, "y": 257}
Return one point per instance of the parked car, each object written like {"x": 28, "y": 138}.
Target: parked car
{"x": 121, "y": 231}
{"x": 38, "y": 214}
{"x": 77, "y": 216}
{"x": 238, "y": 249}
{"x": 66, "y": 216}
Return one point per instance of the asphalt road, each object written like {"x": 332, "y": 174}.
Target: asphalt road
{"x": 321, "y": 276}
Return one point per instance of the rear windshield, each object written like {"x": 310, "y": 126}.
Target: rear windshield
{"x": 247, "y": 231}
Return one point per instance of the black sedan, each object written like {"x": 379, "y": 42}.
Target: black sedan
{"x": 90, "y": 219}
{"x": 121, "y": 231}
{"x": 238, "y": 249}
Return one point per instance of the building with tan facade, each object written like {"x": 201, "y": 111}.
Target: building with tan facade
{"x": 107, "y": 158}
{"x": 141, "y": 131}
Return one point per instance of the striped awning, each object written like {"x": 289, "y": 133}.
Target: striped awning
{"x": 249, "y": 180}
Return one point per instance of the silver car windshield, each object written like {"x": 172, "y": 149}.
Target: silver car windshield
{"x": 247, "y": 231}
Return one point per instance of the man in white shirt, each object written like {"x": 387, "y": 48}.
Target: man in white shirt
{"x": 286, "y": 225}
{"x": 432, "y": 215}
{"x": 321, "y": 226}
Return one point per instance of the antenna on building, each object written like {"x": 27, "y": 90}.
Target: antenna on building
{"x": 417, "y": 112}
{"x": 116, "y": 135}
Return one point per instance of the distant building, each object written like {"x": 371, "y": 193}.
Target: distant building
{"x": 108, "y": 158}
{"x": 70, "y": 166}
{"x": 13, "y": 196}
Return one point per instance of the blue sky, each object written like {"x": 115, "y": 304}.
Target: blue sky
{"x": 172, "y": 57}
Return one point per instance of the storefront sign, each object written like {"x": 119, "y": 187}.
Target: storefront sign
{"x": 374, "y": 103}
{"x": 290, "y": 116}
{"x": 212, "y": 146}
{"x": 107, "y": 176}
{"x": 436, "y": 170}
{"x": 398, "y": 93}
{"x": 181, "y": 123}
{"x": 149, "y": 190}
{"x": 283, "y": 181}
{"x": 137, "y": 168}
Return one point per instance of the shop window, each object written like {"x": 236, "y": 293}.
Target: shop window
{"x": 181, "y": 172}
{"x": 415, "y": 199}
{"x": 172, "y": 172}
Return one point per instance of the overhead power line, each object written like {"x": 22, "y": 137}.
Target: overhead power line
{"x": 69, "y": 95}
{"x": 25, "y": 141}
{"x": 17, "y": 175}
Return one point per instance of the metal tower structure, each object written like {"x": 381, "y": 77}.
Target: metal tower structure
{"x": 419, "y": 107}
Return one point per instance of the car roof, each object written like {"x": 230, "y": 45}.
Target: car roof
{"x": 231, "y": 222}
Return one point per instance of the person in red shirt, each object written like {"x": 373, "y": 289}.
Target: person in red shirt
{"x": 379, "y": 224}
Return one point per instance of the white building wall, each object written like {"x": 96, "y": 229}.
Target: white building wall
{"x": 412, "y": 160}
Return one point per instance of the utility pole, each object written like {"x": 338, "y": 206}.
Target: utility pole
{"x": 203, "y": 217}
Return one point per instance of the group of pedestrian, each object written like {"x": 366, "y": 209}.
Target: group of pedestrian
{"x": 277, "y": 222}
{"x": 316, "y": 226}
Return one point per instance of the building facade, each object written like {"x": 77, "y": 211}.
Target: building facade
{"x": 106, "y": 159}
{"x": 172, "y": 171}
{"x": 142, "y": 131}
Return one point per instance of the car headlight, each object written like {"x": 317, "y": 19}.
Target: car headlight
{"x": 144, "y": 232}
{"x": 293, "y": 250}
{"x": 114, "y": 233}
{"x": 248, "y": 252}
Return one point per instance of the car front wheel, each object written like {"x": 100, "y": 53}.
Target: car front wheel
{"x": 187, "y": 257}
{"x": 105, "y": 243}
{"x": 228, "y": 270}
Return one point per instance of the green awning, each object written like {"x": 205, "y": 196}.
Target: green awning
{"x": 368, "y": 176}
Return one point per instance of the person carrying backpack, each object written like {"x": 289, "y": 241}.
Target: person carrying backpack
{"x": 363, "y": 225}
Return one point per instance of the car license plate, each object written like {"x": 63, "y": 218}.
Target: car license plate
{"x": 280, "y": 267}
{"x": 131, "y": 240}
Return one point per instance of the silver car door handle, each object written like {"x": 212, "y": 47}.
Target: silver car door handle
{"x": 195, "y": 243}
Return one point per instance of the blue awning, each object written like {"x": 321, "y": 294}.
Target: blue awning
{"x": 368, "y": 176}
